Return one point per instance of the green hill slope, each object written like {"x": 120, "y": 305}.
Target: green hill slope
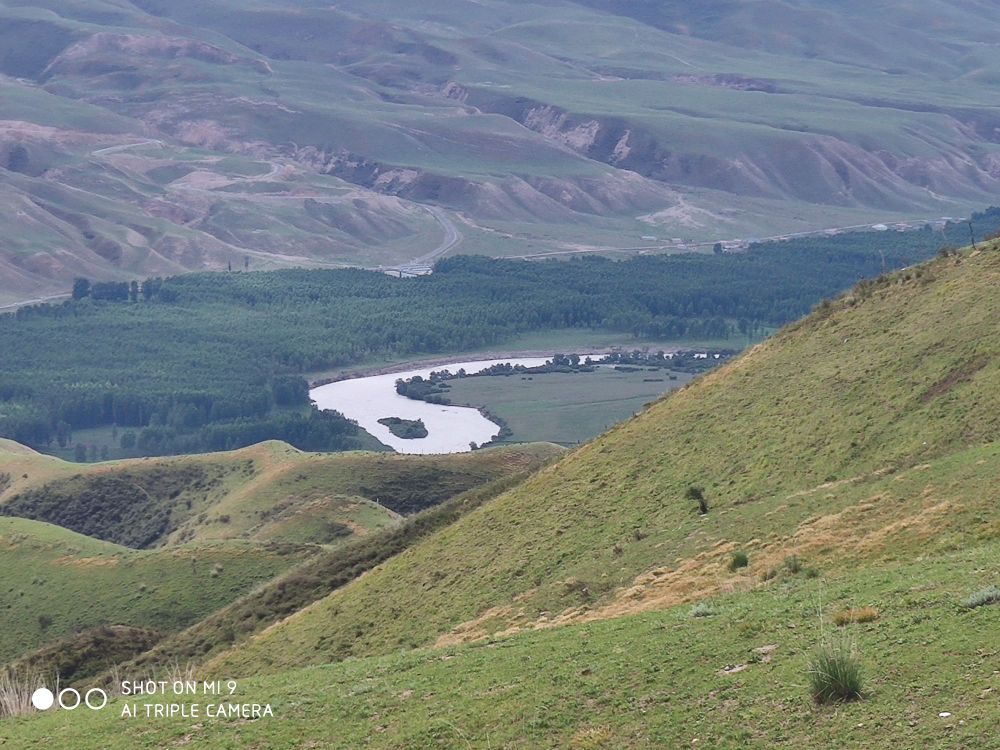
{"x": 54, "y": 582}
{"x": 187, "y": 535}
{"x": 267, "y": 492}
{"x": 662, "y": 679}
{"x": 853, "y": 458}
{"x": 816, "y": 442}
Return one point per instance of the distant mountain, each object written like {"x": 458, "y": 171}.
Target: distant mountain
{"x": 157, "y": 136}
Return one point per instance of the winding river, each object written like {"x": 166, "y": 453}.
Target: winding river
{"x": 450, "y": 429}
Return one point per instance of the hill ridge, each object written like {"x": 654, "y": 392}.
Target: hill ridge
{"x": 585, "y": 527}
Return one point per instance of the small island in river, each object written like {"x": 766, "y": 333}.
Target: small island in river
{"x": 408, "y": 429}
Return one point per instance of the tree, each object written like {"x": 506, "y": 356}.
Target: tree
{"x": 133, "y": 291}
{"x": 64, "y": 435}
{"x": 127, "y": 441}
{"x": 92, "y": 452}
{"x": 717, "y": 248}
{"x": 697, "y": 495}
{"x": 81, "y": 288}
{"x": 80, "y": 453}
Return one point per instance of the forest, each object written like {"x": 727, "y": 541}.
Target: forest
{"x": 209, "y": 361}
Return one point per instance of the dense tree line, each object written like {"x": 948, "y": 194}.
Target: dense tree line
{"x": 214, "y": 360}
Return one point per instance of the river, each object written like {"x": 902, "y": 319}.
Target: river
{"x": 450, "y": 429}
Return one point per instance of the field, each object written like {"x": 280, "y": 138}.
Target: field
{"x": 561, "y": 407}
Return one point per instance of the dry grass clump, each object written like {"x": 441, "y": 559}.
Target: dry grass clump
{"x": 849, "y": 616}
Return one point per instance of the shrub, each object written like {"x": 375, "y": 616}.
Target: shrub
{"x": 738, "y": 560}
{"x": 847, "y": 616}
{"x": 835, "y": 673}
{"x": 697, "y": 494}
{"x": 702, "y": 609}
{"x": 981, "y": 598}
{"x": 812, "y": 573}
{"x": 792, "y": 564}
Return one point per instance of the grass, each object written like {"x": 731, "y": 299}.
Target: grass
{"x": 564, "y": 408}
{"x": 851, "y": 616}
{"x": 738, "y": 559}
{"x": 309, "y": 582}
{"x": 835, "y": 673}
{"x": 650, "y": 680}
{"x": 72, "y": 582}
{"x": 783, "y": 440}
{"x": 269, "y": 508}
{"x": 270, "y": 492}
{"x": 703, "y": 609}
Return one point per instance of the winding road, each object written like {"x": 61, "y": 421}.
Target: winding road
{"x": 424, "y": 264}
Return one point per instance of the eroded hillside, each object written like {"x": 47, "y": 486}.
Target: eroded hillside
{"x": 150, "y": 138}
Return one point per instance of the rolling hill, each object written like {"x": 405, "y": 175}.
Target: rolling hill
{"x": 149, "y": 138}
{"x": 829, "y": 431}
{"x": 160, "y": 544}
{"x": 852, "y": 458}
{"x": 269, "y": 492}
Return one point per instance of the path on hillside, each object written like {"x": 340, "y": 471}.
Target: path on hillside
{"x": 424, "y": 264}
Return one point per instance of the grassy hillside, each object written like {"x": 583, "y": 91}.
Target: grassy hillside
{"x": 734, "y": 678}
{"x": 851, "y": 460}
{"x": 268, "y": 492}
{"x": 153, "y": 137}
{"x": 306, "y": 583}
{"x": 54, "y": 582}
{"x": 220, "y": 524}
{"x": 815, "y": 438}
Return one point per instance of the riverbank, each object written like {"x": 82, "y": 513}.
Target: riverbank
{"x": 368, "y": 399}
{"x": 444, "y": 361}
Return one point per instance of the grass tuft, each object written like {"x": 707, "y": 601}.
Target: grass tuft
{"x": 738, "y": 560}
{"x": 835, "y": 673}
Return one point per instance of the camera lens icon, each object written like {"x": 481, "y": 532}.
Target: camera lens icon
{"x": 69, "y": 699}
